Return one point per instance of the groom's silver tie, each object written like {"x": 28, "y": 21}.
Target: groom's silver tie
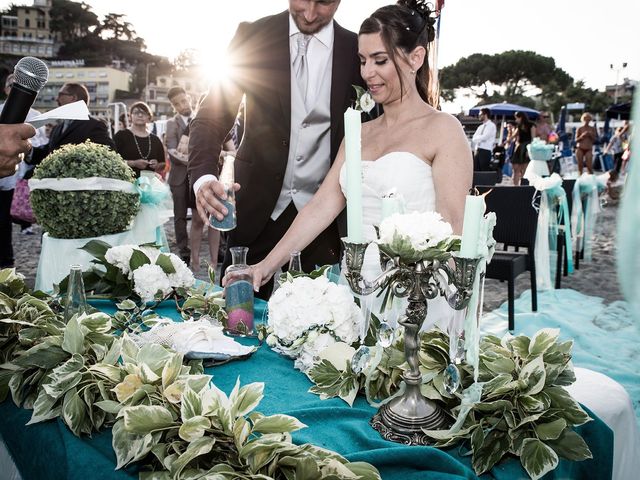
{"x": 301, "y": 66}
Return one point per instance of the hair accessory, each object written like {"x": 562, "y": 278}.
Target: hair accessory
{"x": 421, "y": 17}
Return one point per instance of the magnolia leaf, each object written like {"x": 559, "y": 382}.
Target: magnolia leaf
{"x": 567, "y": 376}
{"x": 530, "y": 404}
{"x": 520, "y": 346}
{"x": 127, "y": 304}
{"x": 148, "y": 375}
{"x": 109, "y": 406}
{"x": 138, "y": 259}
{"x": 198, "y": 382}
{"x": 193, "y": 428}
{"x": 534, "y": 374}
{"x": 247, "y": 399}
{"x": 550, "y": 430}
{"x": 129, "y": 349}
{"x": 324, "y": 374}
{"x": 495, "y": 406}
{"x": 171, "y": 370}
{"x": 154, "y": 356}
{"x": 130, "y": 447}
{"x": 537, "y": 458}
{"x": 164, "y": 262}
{"x": 173, "y": 393}
{"x": 64, "y": 377}
{"x": 74, "y": 412}
{"x": 97, "y": 249}
{"x": 363, "y": 470}
{"x": 127, "y": 388}
{"x": 110, "y": 372}
{"x": 501, "y": 365}
{"x": 241, "y": 431}
{"x": 201, "y": 446}
{"x": 567, "y": 407}
{"x": 43, "y": 408}
{"x": 571, "y": 446}
{"x": 542, "y": 340}
{"x": 143, "y": 419}
{"x": 277, "y": 424}
{"x": 96, "y": 322}
{"x": 73, "y": 341}
{"x": 191, "y": 405}
{"x": 43, "y": 355}
{"x": 494, "y": 447}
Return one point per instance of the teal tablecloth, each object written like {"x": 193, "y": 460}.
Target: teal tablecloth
{"x": 50, "y": 451}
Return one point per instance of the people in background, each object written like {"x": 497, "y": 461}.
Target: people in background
{"x": 141, "y": 149}
{"x": 525, "y": 131}
{"x": 586, "y": 137}
{"x": 543, "y": 126}
{"x": 483, "y": 140}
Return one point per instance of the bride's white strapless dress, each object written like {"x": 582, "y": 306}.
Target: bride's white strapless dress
{"x": 412, "y": 180}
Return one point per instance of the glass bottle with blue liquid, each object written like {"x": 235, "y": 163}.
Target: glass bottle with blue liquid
{"x": 227, "y": 179}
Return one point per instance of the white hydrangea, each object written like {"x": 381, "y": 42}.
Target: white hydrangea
{"x": 423, "y": 230}
{"x": 151, "y": 252}
{"x": 150, "y": 281}
{"x": 120, "y": 257}
{"x": 183, "y": 277}
{"x": 308, "y": 315}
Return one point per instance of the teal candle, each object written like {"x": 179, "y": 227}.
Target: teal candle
{"x": 353, "y": 161}
{"x": 473, "y": 212}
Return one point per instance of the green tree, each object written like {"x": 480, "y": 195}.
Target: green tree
{"x": 72, "y": 20}
{"x": 522, "y": 77}
{"x": 115, "y": 27}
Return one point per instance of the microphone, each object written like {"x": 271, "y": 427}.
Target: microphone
{"x": 30, "y": 75}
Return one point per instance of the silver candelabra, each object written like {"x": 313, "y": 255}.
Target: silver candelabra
{"x": 405, "y": 416}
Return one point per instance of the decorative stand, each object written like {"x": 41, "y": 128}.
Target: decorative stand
{"x": 404, "y": 418}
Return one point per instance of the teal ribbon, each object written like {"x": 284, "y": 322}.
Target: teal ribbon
{"x": 153, "y": 193}
{"x": 557, "y": 194}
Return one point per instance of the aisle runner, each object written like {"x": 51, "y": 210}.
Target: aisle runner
{"x": 605, "y": 337}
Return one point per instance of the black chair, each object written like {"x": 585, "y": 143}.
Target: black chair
{"x": 485, "y": 178}
{"x": 562, "y": 265}
{"x": 516, "y": 226}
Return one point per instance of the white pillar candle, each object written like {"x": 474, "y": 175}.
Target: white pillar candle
{"x": 353, "y": 160}
{"x": 473, "y": 213}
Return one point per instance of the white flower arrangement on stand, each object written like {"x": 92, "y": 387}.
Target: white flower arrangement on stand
{"x": 309, "y": 315}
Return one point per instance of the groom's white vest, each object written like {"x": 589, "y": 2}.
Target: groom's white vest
{"x": 309, "y": 145}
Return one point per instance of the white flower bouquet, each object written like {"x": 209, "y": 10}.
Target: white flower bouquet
{"x": 308, "y": 315}
{"x": 138, "y": 272}
{"x": 417, "y": 236}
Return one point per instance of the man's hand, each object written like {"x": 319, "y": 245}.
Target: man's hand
{"x": 14, "y": 140}
{"x": 209, "y": 199}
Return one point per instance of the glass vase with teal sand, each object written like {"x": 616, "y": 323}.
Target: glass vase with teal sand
{"x": 239, "y": 294}
{"x": 227, "y": 179}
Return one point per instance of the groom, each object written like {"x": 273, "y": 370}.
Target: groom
{"x": 296, "y": 69}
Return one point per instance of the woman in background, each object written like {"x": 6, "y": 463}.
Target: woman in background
{"x": 586, "y": 137}
{"x": 525, "y": 133}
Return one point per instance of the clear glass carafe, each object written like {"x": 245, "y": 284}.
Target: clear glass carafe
{"x": 76, "y": 301}
{"x": 239, "y": 293}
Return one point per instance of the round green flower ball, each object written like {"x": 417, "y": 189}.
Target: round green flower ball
{"x": 89, "y": 213}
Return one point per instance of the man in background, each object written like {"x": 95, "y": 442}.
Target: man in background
{"x": 483, "y": 141}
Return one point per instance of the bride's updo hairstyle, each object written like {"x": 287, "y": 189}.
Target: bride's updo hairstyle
{"x": 403, "y": 27}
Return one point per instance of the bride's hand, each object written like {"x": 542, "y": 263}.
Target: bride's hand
{"x": 259, "y": 272}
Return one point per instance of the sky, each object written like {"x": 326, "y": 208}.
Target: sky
{"x": 585, "y": 37}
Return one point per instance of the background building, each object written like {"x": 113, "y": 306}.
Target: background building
{"x": 102, "y": 83}
{"x": 28, "y": 31}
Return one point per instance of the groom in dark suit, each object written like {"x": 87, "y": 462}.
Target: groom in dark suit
{"x": 296, "y": 69}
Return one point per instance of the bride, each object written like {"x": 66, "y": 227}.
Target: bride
{"x": 412, "y": 148}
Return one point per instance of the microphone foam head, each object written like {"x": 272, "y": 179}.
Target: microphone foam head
{"x": 31, "y": 73}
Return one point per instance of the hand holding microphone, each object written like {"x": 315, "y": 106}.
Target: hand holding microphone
{"x": 30, "y": 75}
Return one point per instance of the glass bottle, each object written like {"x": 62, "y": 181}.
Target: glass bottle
{"x": 295, "y": 264}
{"x": 76, "y": 301}
{"x": 239, "y": 293}
{"x": 227, "y": 179}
